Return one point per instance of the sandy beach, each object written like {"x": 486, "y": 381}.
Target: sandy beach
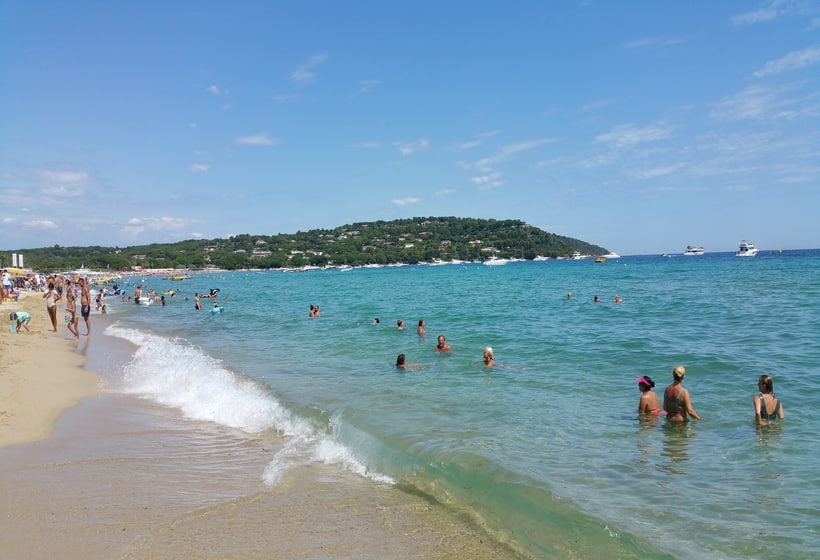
{"x": 88, "y": 474}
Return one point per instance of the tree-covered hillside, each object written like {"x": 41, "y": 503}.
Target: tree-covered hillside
{"x": 399, "y": 241}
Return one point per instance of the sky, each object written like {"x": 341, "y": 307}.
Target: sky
{"x": 639, "y": 126}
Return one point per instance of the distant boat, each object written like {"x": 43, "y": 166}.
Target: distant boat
{"x": 600, "y": 260}
{"x": 496, "y": 261}
{"x": 611, "y": 256}
{"x": 690, "y": 251}
{"x": 577, "y": 256}
{"x": 746, "y": 249}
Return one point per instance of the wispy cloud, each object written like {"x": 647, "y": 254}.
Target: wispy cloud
{"x": 213, "y": 90}
{"x": 284, "y": 97}
{"x": 135, "y": 226}
{"x": 409, "y": 148}
{"x": 260, "y": 139}
{"x": 304, "y": 73}
{"x": 767, "y": 13}
{"x": 792, "y": 61}
{"x": 445, "y": 192}
{"x": 762, "y": 103}
{"x": 489, "y": 181}
{"x": 629, "y": 134}
{"x": 63, "y": 183}
{"x": 653, "y": 42}
{"x": 504, "y": 153}
{"x": 655, "y": 172}
{"x": 405, "y": 201}
{"x": 199, "y": 167}
{"x": 477, "y": 141}
{"x": 366, "y": 145}
{"x": 366, "y": 86}
{"x": 39, "y": 225}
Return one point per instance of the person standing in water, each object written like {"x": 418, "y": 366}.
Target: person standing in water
{"x": 766, "y": 401}
{"x": 649, "y": 403}
{"x": 676, "y": 401}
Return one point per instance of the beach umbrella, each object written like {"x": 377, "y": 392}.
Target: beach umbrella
{"x": 17, "y": 271}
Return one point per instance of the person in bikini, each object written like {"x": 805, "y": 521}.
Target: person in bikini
{"x": 649, "y": 403}
{"x": 676, "y": 401}
{"x": 71, "y": 318}
{"x": 766, "y": 401}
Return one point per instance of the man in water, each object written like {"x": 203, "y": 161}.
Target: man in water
{"x": 442, "y": 346}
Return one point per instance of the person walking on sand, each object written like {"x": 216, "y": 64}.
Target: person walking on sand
{"x": 71, "y": 318}
{"x": 766, "y": 401}
{"x": 85, "y": 305}
{"x": 676, "y": 401}
{"x": 52, "y": 297}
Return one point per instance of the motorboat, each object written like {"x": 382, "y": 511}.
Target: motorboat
{"x": 746, "y": 249}
{"x": 611, "y": 256}
{"x": 690, "y": 251}
{"x": 600, "y": 260}
{"x": 496, "y": 261}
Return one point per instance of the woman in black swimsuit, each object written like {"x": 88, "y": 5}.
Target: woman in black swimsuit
{"x": 767, "y": 406}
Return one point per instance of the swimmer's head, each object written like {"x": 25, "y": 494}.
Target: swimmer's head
{"x": 489, "y": 351}
{"x": 766, "y": 383}
{"x": 678, "y": 373}
{"x": 645, "y": 380}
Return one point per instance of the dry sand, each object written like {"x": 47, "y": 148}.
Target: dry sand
{"x": 116, "y": 477}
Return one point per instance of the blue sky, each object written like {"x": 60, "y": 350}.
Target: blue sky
{"x": 640, "y": 126}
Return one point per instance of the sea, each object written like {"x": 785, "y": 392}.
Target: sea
{"x": 545, "y": 452}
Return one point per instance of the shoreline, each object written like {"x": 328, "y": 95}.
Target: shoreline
{"x": 92, "y": 474}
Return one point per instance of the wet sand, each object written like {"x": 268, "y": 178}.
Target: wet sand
{"x": 117, "y": 477}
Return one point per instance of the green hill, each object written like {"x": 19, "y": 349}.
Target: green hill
{"x": 399, "y": 241}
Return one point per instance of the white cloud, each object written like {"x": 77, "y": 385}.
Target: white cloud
{"x": 256, "y": 140}
{"x": 63, "y": 183}
{"x": 135, "y": 226}
{"x": 367, "y": 145}
{"x": 490, "y": 180}
{"x": 445, "y": 192}
{"x": 405, "y": 201}
{"x": 629, "y": 135}
{"x": 39, "y": 224}
{"x": 304, "y": 74}
{"x": 199, "y": 167}
{"x": 655, "y": 172}
{"x": 792, "y": 61}
{"x": 758, "y": 102}
{"x": 764, "y": 14}
{"x": 409, "y": 148}
{"x": 285, "y": 97}
{"x": 504, "y": 153}
{"x": 479, "y": 140}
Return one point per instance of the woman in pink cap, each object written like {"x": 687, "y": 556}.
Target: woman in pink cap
{"x": 649, "y": 403}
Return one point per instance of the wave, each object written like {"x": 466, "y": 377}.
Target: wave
{"x": 179, "y": 375}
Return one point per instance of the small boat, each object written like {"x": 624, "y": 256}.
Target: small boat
{"x": 496, "y": 261}
{"x": 746, "y": 249}
{"x": 600, "y": 260}
{"x": 690, "y": 251}
{"x": 180, "y": 277}
{"x": 611, "y": 256}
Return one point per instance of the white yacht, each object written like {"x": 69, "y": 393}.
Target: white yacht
{"x": 496, "y": 261}
{"x": 746, "y": 249}
{"x": 693, "y": 250}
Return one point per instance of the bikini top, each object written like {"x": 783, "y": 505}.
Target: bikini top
{"x": 766, "y": 415}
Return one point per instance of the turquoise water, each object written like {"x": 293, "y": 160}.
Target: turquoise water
{"x": 547, "y": 453}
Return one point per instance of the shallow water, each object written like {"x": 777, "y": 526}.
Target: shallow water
{"x": 548, "y": 452}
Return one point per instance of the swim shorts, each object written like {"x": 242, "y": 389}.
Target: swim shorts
{"x": 85, "y": 311}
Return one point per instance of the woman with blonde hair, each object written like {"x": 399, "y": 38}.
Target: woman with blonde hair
{"x": 676, "y": 401}
{"x": 767, "y": 401}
